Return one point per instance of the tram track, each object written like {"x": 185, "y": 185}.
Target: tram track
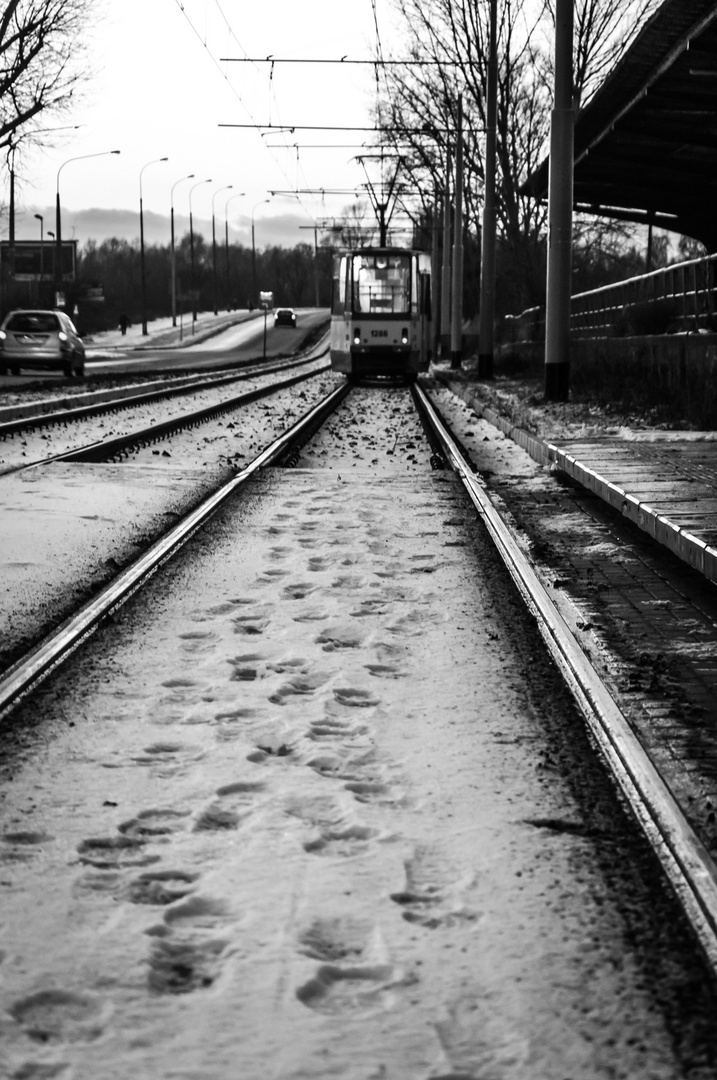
{"x": 688, "y": 865}
{"x": 685, "y": 861}
{"x": 114, "y": 448}
{"x": 103, "y": 402}
{"x": 25, "y": 674}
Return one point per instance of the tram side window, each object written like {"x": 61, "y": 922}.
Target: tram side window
{"x": 338, "y": 297}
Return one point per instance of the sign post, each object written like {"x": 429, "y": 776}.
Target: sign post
{"x": 266, "y": 300}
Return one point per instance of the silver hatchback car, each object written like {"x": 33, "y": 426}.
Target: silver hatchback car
{"x": 40, "y": 339}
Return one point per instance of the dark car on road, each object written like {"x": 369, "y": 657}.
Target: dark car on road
{"x": 284, "y": 316}
{"x": 40, "y": 339}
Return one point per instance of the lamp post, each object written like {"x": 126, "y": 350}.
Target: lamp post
{"x": 41, "y": 219}
{"x": 11, "y": 223}
{"x": 227, "y": 187}
{"x": 172, "y": 259}
{"x": 58, "y": 216}
{"x": 191, "y": 249}
{"x": 457, "y": 261}
{"x": 141, "y": 241}
{"x": 238, "y": 195}
{"x": 253, "y": 252}
{"x": 488, "y": 233}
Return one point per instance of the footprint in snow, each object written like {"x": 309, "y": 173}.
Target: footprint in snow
{"x": 336, "y": 989}
{"x": 159, "y": 887}
{"x": 55, "y": 1015}
{"x": 355, "y": 698}
{"x": 234, "y": 803}
{"x": 153, "y": 823}
{"x": 343, "y": 841}
{"x": 112, "y": 852}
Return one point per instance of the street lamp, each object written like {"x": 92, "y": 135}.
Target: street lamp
{"x": 228, "y": 187}
{"x": 58, "y": 218}
{"x": 238, "y": 195}
{"x": 41, "y": 219}
{"x": 173, "y": 260}
{"x": 141, "y": 240}
{"x": 191, "y": 248}
{"x": 253, "y": 251}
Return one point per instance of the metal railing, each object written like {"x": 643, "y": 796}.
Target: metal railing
{"x": 674, "y": 299}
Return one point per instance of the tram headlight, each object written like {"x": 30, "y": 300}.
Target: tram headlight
{"x": 357, "y": 337}
{"x": 404, "y": 336}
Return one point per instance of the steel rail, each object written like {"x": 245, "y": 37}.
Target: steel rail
{"x": 133, "y": 399}
{"x": 39, "y": 662}
{"x": 688, "y": 865}
{"x": 112, "y": 448}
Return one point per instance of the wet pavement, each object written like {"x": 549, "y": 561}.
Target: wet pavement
{"x": 166, "y": 332}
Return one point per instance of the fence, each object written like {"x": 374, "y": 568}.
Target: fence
{"x": 674, "y": 299}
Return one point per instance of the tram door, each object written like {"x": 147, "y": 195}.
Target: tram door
{"x": 339, "y": 341}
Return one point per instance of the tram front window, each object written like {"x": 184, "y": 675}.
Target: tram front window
{"x": 382, "y": 284}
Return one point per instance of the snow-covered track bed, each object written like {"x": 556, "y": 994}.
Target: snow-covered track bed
{"x": 35, "y": 666}
{"x": 79, "y": 430}
{"x": 316, "y": 801}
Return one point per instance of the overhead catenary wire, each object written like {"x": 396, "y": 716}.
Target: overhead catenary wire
{"x": 344, "y": 61}
{"x": 378, "y": 62}
{"x": 332, "y": 146}
{"x": 218, "y": 61}
{"x": 428, "y": 130}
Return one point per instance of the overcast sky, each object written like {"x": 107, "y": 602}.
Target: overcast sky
{"x": 161, "y": 88}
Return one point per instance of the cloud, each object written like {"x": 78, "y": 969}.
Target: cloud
{"x": 98, "y": 224}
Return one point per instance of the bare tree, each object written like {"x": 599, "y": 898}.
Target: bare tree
{"x": 447, "y": 45}
{"x": 42, "y": 61}
{"x": 359, "y": 226}
{"x": 603, "y": 30}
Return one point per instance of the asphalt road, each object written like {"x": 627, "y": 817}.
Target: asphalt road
{"x": 241, "y": 336}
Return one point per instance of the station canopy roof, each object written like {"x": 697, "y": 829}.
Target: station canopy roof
{"x": 646, "y": 143}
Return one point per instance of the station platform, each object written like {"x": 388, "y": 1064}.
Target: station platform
{"x": 665, "y": 482}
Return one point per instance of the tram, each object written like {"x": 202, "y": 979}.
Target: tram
{"x": 381, "y": 313}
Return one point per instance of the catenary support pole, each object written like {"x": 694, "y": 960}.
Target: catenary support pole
{"x": 445, "y": 324}
{"x": 457, "y": 276}
{"x": 487, "y": 268}
{"x": 560, "y": 212}
{"x": 434, "y": 218}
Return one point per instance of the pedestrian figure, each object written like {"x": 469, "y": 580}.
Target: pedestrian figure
{"x": 124, "y": 323}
